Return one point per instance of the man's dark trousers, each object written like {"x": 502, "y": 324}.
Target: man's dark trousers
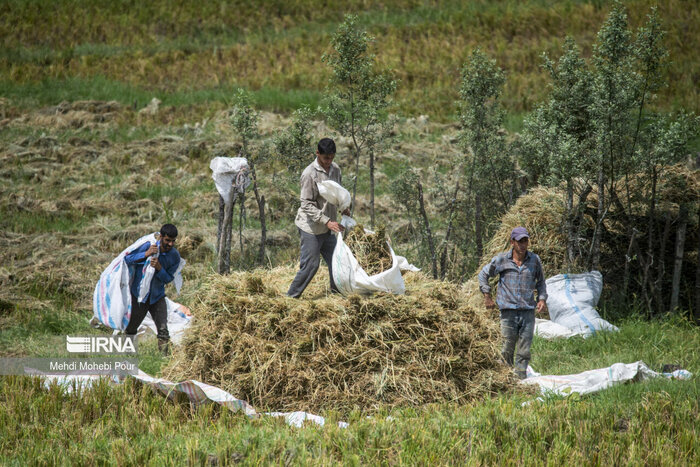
{"x": 159, "y": 313}
{"x": 313, "y": 246}
{"x": 518, "y": 328}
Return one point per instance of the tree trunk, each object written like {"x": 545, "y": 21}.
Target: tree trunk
{"x": 428, "y": 233}
{"x": 448, "y": 233}
{"x": 477, "y": 228}
{"x": 371, "y": 188}
{"x": 628, "y": 260}
{"x": 225, "y": 235}
{"x": 696, "y": 304}
{"x": 595, "y": 246}
{"x": 260, "y": 200}
{"x": 222, "y": 206}
{"x": 651, "y": 219}
{"x": 678, "y": 257}
{"x": 578, "y": 220}
{"x": 357, "y": 175}
{"x": 570, "y": 230}
{"x": 661, "y": 269}
{"x": 241, "y": 215}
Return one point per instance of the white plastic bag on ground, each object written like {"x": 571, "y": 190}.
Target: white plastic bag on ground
{"x": 596, "y": 380}
{"x": 572, "y": 299}
{"x": 547, "y": 329}
{"x": 350, "y": 278}
{"x": 335, "y": 194}
{"x": 178, "y": 321}
{"x": 225, "y": 170}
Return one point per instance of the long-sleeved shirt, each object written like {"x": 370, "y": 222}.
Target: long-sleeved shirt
{"x": 315, "y": 211}
{"x": 169, "y": 262}
{"x": 516, "y": 284}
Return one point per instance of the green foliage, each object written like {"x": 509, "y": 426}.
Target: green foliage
{"x": 358, "y": 95}
{"x": 558, "y": 135}
{"x": 244, "y": 120}
{"x": 615, "y": 95}
{"x": 595, "y": 128}
{"x": 481, "y": 138}
{"x": 294, "y": 144}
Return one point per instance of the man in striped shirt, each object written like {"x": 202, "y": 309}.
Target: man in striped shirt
{"x": 520, "y": 275}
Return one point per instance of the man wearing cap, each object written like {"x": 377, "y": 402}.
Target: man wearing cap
{"x": 520, "y": 275}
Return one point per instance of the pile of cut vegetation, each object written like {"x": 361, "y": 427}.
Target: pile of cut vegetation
{"x": 370, "y": 249}
{"x": 542, "y": 212}
{"x": 329, "y": 352}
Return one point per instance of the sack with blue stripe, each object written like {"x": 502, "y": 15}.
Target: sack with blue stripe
{"x": 572, "y": 299}
{"x": 111, "y": 301}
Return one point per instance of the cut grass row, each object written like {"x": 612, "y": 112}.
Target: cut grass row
{"x": 424, "y": 43}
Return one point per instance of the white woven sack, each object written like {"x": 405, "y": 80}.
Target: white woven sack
{"x": 350, "y": 278}
{"x": 224, "y": 170}
{"x": 571, "y": 299}
{"x": 111, "y": 300}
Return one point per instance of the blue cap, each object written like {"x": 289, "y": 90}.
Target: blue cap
{"x": 519, "y": 233}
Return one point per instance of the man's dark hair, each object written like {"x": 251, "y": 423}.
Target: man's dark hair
{"x": 326, "y": 146}
{"x": 168, "y": 230}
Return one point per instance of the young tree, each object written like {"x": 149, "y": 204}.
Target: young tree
{"x": 488, "y": 165}
{"x": 407, "y": 191}
{"x": 244, "y": 120}
{"x": 558, "y": 138}
{"x": 358, "y": 96}
{"x": 614, "y": 98}
{"x": 294, "y": 144}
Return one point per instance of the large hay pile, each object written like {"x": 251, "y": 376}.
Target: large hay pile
{"x": 542, "y": 212}
{"x": 332, "y": 352}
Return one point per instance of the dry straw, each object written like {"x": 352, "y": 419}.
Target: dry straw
{"x": 370, "y": 249}
{"x": 331, "y": 352}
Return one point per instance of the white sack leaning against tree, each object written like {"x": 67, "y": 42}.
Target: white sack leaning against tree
{"x": 348, "y": 275}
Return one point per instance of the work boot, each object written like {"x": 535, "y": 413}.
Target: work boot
{"x": 164, "y": 346}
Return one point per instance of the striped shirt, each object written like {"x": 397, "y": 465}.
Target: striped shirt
{"x": 516, "y": 284}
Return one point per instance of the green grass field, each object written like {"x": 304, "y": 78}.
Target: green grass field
{"x": 76, "y": 187}
{"x": 189, "y": 54}
{"x": 652, "y": 422}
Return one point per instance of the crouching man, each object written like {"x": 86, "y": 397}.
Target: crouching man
{"x": 520, "y": 275}
{"x": 165, "y": 259}
{"x": 316, "y": 219}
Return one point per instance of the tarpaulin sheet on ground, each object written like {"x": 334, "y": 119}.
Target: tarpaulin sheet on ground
{"x": 201, "y": 393}
{"x": 598, "y": 379}
{"x": 196, "y": 392}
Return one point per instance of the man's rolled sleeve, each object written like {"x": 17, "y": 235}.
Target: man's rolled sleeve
{"x": 541, "y": 284}
{"x": 485, "y": 274}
